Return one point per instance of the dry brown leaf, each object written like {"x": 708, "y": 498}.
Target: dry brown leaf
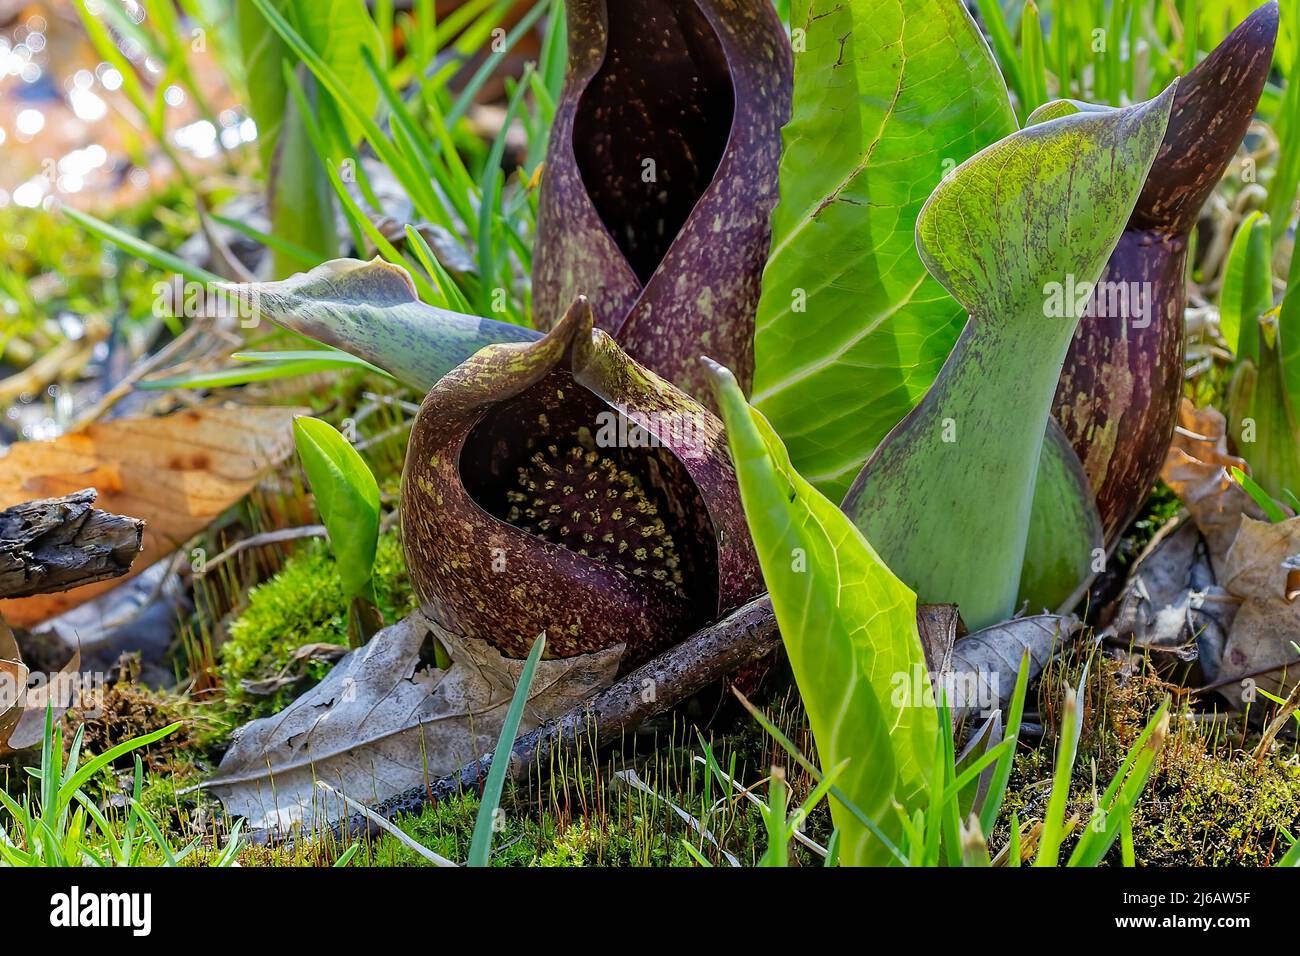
{"x": 13, "y": 684}
{"x": 985, "y": 664}
{"x": 939, "y": 626}
{"x": 62, "y": 691}
{"x": 1172, "y": 602}
{"x": 22, "y": 711}
{"x": 382, "y": 722}
{"x": 178, "y": 472}
{"x": 1260, "y": 643}
{"x": 1196, "y": 468}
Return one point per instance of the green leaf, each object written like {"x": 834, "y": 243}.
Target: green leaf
{"x": 301, "y": 202}
{"x": 1286, "y": 178}
{"x": 995, "y": 22}
{"x": 851, "y": 330}
{"x": 163, "y": 261}
{"x": 1292, "y": 855}
{"x": 299, "y": 197}
{"x": 1067, "y": 746}
{"x": 997, "y": 790}
{"x": 304, "y": 258}
{"x": 480, "y": 846}
{"x": 256, "y": 372}
{"x": 849, "y": 627}
{"x": 328, "y": 356}
{"x": 1261, "y": 497}
{"x": 347, "y": 497}
{"x": 72, "y": 784}
{"x": 371, "y": 310}
{"x": 1032, "y": 67}
{"x": 1288, "y": 330}
{"x": 1262, "y": 413}
{"x": 946, "y": 499}
{"x": 1247, "y": 291}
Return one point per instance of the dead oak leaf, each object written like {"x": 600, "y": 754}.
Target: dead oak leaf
{"x": 178, "y": 472}
{"x": 1260, "y": 570}
{"x": 1197, "y": 470}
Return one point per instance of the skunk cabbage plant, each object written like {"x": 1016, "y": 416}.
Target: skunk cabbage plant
{"x": 946, "y": 498}
{"x": 558, "y": 486}
{"x": 851, "y": 330}
{"x": 660, "y": 177}
{"x": 552, "y": 483}
{"x": 655, "y": 199}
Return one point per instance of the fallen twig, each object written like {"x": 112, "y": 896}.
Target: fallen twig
{"x": 267, "y": 537}
{"x": 1288, "y": 708}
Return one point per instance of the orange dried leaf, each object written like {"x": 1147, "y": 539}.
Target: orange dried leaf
{"x": 178, "y": 472}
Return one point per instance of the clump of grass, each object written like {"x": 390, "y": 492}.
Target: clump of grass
{"x": 303, "y": 603}
{"x": 1207, "y": 803}
{"x": 63, "y": 818}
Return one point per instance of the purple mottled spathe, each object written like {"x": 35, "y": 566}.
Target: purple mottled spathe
{"x": 661, "y": 176}
{"x": 589, "y": 581}
{"x": 1117, "y": 400}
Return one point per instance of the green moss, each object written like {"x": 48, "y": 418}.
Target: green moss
{"x": 1207, "y": 803}
{"x": 540, "y": 837}
{"x": 303, "y": 604}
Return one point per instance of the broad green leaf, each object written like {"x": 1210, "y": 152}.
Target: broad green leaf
{"x": 851, "y": 330}
{"x": 347, "y": 497}
{"x": 371, "y": 310}
{"x": 946, "y": 499}
{"x": 849, "y": 628}
{"x": 1247, "y": 291}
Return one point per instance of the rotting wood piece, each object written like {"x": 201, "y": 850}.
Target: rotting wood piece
{"x": 55, "y": 544}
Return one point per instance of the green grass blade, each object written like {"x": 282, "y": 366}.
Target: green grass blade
{"x": 99, "y": 762}
{"x": 137, "y": 247}
{"x": 1261, "y": 497}
{"x": 480, "y": 847}
{"x": 1002, "y": 773}
{"x": 1049, "y": 843}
